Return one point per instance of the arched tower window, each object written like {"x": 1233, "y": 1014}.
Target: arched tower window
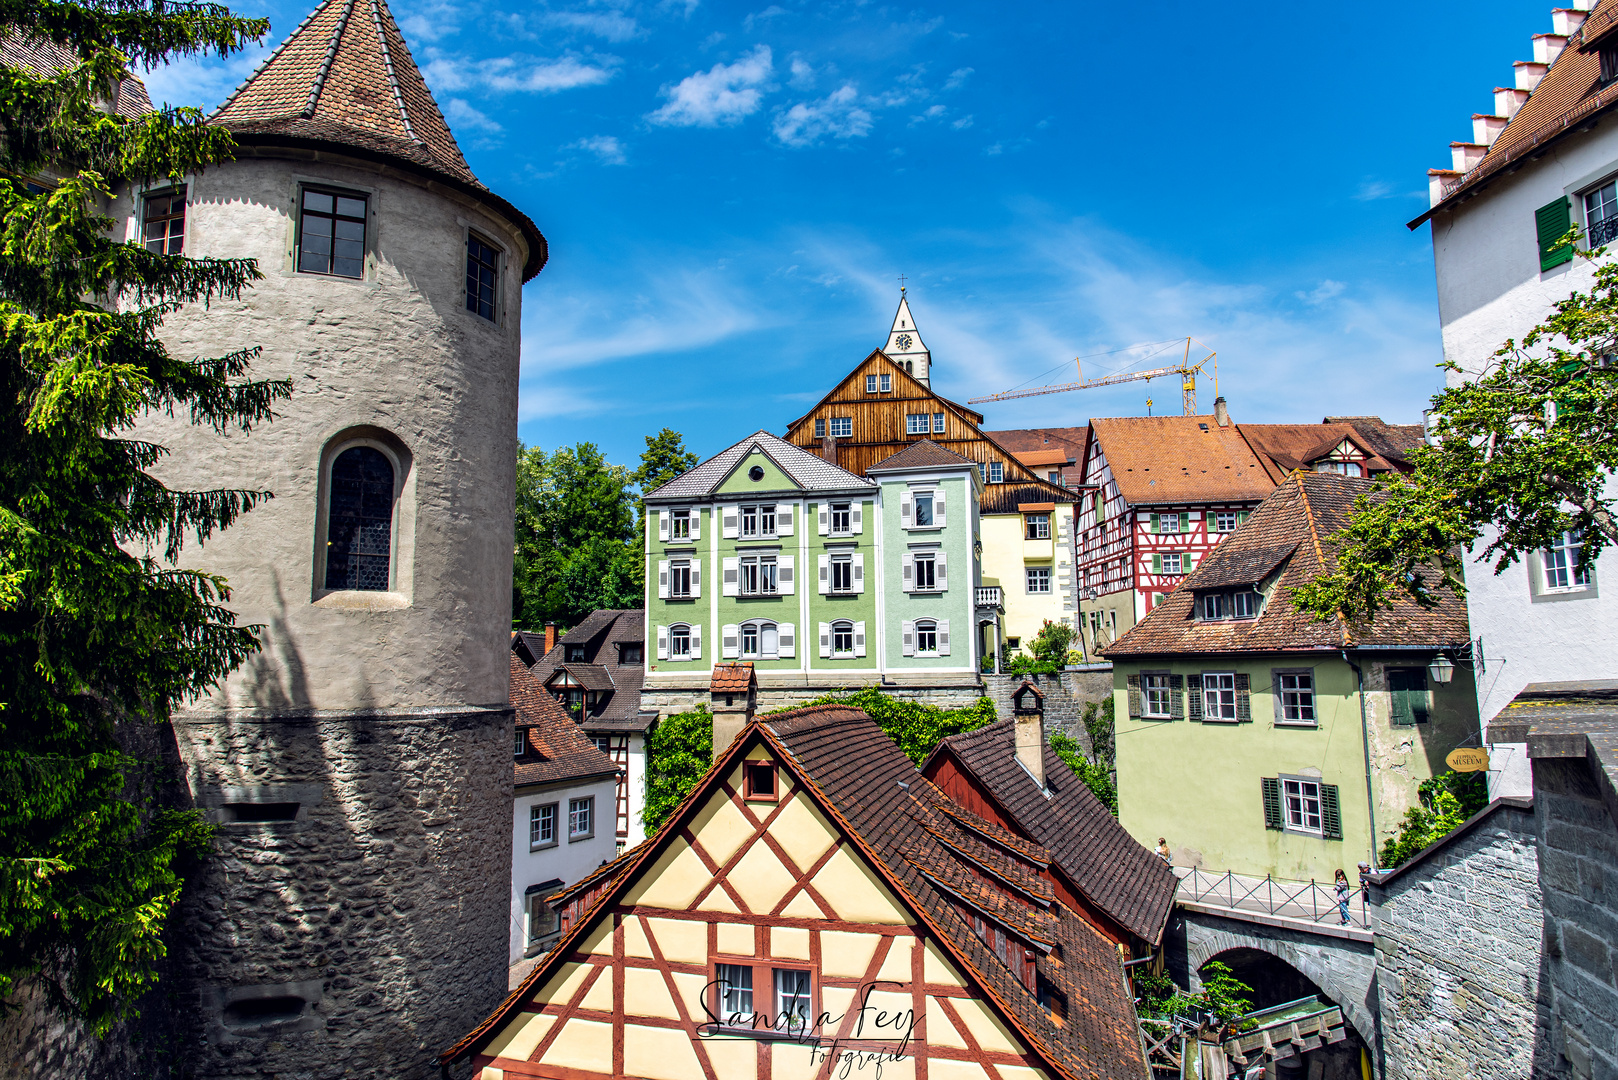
{"x": 359, "y": 530}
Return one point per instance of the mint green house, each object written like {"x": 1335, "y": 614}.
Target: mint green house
{"x": 1258, "y": 741}
{"x": 820, "y": 578}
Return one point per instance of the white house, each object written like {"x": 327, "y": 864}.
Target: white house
{"x": 562, "y": 810}
{"x": 1540, "y": 161}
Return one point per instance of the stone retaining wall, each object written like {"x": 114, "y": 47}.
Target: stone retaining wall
{"x": 1065, "y": 696}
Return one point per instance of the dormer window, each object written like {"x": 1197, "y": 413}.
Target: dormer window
{"x": 1240, "y": 605}
{"x": 575, "y": 654}
{"x": 630, "y": 652}
{"x": 1609, "y": 63}
{"x": 1342, "y": 468}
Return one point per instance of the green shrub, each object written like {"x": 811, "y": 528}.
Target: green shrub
{"x": 1222, "y": 996}
{"x": 915, "y": 727}
{"x": 1447, "y": 800}
{"x": 1023, "y": 664}
{"x": 1097, "y": 776}
{"x": 1051, "y": 644}
{"x": 678, "y": 751}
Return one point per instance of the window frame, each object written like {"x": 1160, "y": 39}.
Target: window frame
{"x": 179, "y": 191}
{"x": 1281, "y": 691}
{"x": 938, "y": 423}
{"x": 1217, "y": 715}
{"x": 841, "y": 427}
{"x": 1045, "y": 577}
{"x": 1166, "y": 690}
{"x": 846, "y": 510}
{"x": 1302, "y": 782}
{"x": 871, "y": 384}
{"x": 519, "y": 745}
{"x": 589, "y": 808}
{"x": 680, "y": 523}
{"x": 1563, "y": 558}
{"x": 757, "y": 967}
{"x": 543, "y": 922}
{"x": 929, "y": 626}
{"x": 839, "y": 627}
{"x": 536, "y": 821}
{"x": 997, "y": 472}
{"x": 680, "y": 632}
{"x": 1250, "y": 600}
{"x": 337, "y": 192}
{"x": 335, "y": 450}
{"x": 841, "y": 565}
{"x": 750, "y": 791}
{"x": 918, "y": 424}
{"x": 917, "y": 560}
{"x": 1036, "y": 526}
{"x": 680, "y": 569}
{"x": 820, "y": 427}
{"x": 1221, "y": 517}
{"x": 916, "y": 498}
{"x": 758, "y": 575}
{"x": 886, "y": 385}
{"x": 495, "y": 267}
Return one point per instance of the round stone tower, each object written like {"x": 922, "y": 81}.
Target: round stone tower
{"x": 352, "y": 920}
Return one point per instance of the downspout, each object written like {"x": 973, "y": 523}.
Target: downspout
{"x": 1365, "y": 738}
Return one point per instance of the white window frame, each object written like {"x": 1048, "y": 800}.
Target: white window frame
{"x": 1178, "y": 566}
{"x": 917, "y": 423}
{"x": 843, "y": 527}
{"x": 1153, "y": 693}
{"x": 932, "y": 510}
{"x": 820, "y": 428}
{"x": 1213, "y": 708}
{"x": 680, "y": 524}
{"x": 761, "y": 651}
{"x": 1306, "y": 791}
{"x": 1225, "y": 521}
{"x": 1559, "y": 566}
{"x": 842, "y": 654}
{"x": 1244, "y": 600}
{"x": 1036, "y": 526}
{"x": 842, "y": 566}
{"x": 1038, "y": 580}
{"x": 679, "y": 632}
{"x": 1599, "y": 193}
{"x": 680, "y": 570}
{"x": 870, "y": 384}
{"x": 1214, "y": 606}
{"x": 584, "y": 806}
{"x": 938, "y": 423}
{"x": 926, "y": 626}
{"x": 928, "y": 559}
{"x": 841, "y": 427}
{"x": 1297, "y": 698}
{"x": 536, "y": 825}
{"x": 887, "y": 384}
{"x": 997, "y": 472}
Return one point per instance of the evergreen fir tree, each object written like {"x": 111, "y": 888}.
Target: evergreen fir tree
{"x": 99, "y": 626}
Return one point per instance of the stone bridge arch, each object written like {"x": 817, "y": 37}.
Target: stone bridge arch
{"x": 1343, "y": 968}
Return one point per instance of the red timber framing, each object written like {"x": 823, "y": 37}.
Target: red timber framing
{"x": 750, "y": 937}
{"x": 965, "y": 790}
{"x": 616, "y": 747}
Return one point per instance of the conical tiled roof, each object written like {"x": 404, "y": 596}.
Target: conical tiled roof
{"x": 346, "y": 76}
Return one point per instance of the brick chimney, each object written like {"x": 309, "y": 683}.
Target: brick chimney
{"x": 1221, "y": 412}
{"x": 550, "y": 637}
{"x": 732, "y": 698}
{"x": 1028, "y": 708}
{"x": 828, "y": 449}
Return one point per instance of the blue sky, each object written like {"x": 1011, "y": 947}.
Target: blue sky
{"x": 731, "y": 190}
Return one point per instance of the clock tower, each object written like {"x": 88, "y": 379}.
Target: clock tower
{"x": 904, "y": 345}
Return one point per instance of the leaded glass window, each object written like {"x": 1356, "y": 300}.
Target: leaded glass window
{"x": 482, "y": 271}
{"x": 359, "y": 531}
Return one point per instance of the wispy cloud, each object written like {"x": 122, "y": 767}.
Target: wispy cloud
{"x": 1371, "y": 190}
{"x": 724, "y": 94}
{"x": 611, "y": 26}
{"x": 774, "y": 11}
{"x": 517, "y": 73}
{"x": 607, "y": 149}
{"x": 803, "y": 74}
{"x": 838, "y": 115}
{"x": 957, "y": 78}
{"x": 1326, "y": 290}
{"x": 462, "y": 115}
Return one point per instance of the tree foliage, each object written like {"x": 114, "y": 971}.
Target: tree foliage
{"x": 1447, "y": 800}
{"x": 1096, "y": 775}
{"x": 1520, "y": 453}
{"x": 679, "y": 751}
{"x": 665, "y": 458}
{"x": 916, "y": 728}
{"x": 1223, "y": 997}
{"x": 94, "y": 636}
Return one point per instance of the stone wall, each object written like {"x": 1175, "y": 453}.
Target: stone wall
{"x": 1458, "y": 955}
{"x": 1065, "y": 696}
{"x": 1578, "y": 875}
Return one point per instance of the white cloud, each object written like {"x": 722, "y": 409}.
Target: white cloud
{"x": 202, "y": 82}
{"x": 1326, "y": 290}
{"x": 724, "y": 94}
{"x": 610, "y": 25}
{"x": 606, "y": 148}
{"x": 803, "y": 75}
{"x": 462, "y": 115}
{"x": 1371, "y": 190}
{"x": 684, "y": 7}
{"x": 772, "y": 12}
{"x": 963, "y": 123}
{"x": 433, "y": 23}
{"x": 517, "y": 74}
{"x": 957, "y": 78}
{"x": 838, "y": 115}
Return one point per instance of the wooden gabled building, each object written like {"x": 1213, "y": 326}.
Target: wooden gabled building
{"x": 816, "y": 908}
{"x": 887, "y": 403}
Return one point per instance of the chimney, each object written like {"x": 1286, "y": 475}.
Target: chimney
{"x": 1529, "y": 72}
{"x": 1486, "y": 128}
{"x": 1547, "y": 47}
{"x": 1566, "y": 20}
{"x": 732, "y": 698}
{"x": 1464, "y": 157}
{"x": 828, "y": 449}
{"x": 1028, "y": 707}
{"x": 1221, "y": 412}
{"x": 1508, "y": 99}
{"x": 550, "y": 637}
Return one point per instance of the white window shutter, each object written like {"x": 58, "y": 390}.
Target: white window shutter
{"x": 787, "y": 648}
{"x": 907, "y": 630}
{"x": 825, "y": 641}
{"x": 859, "y": 571}
{"x": 938, "y": 508}
{"x": 825, "y": 520}
{"x": 941, "y": 571}
{"x": 662, "y": 579}
{"x": 727, "y": 641}
{"x": 943, "y": 637}
{"x": 696, "y": 577}
{"x": 859, "y": 638}
{"x": 732, "y": 573}
{"x": 825, "y": 574}
{"x": 783, "y": 520}
{"x": 696, "y": 523}
{"x": 907, "y": 510}
{"x": 907, "y": 575}
{"x": 784, "y": 574}
{"x": 729, "y": 519}
{"x": 855, "y": 516}
{"x": 696, "y": 641}
{"x": 662, "y": 643}
{"x": 663, "y": 524}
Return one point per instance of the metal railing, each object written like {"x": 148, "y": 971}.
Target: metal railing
{"x": 1307, "y": 900}
{"x": 988, "y": 596}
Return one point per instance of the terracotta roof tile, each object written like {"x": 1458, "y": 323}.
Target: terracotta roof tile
{"x": 345, "y": 75}
{"x": 1303, "y": 513}
{"x": 1285, "y": 447}
{"x": 1035, "y": 458}
{"x": 1159, "y": 460}
{"x": 732, "y": 678}
{"x": 1071, "y": 440}
{"x": 609, "y": 628}
{"x": 556, "y": 750}
{"x": 922, "y": 454}
{"x": 43, "y": 57}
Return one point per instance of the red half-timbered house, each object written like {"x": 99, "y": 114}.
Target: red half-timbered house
{"x": 817, "y": 908}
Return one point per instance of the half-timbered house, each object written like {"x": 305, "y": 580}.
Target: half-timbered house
{"x": 817, "y": 908}
{"x": 887, "y": 403}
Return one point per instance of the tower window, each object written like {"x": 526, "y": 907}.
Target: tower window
{"x": 163, "y": 223}
{"x": 482, "y": 271}
{"x": 359, "y": 527}
{"x": 331, "y": 234}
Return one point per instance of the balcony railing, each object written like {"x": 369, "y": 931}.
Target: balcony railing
{"x": 988, "y": 596}
{"x": 1306, "y": 900}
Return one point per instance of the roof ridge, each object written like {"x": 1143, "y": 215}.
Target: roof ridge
{"x": 393, "y": 76}
{"x": 1320, "y": 557}
{"x": 275, "y": 52}
{"x": 319, "y": 84}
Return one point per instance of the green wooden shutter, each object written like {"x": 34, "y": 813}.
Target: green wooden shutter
{"x": 1331, "y": 815}
{"x": 1157, "y": 559}
{"x": 1241, "y": 516}
{"x": 1552, "y": 222}
{"x": 1135, "y": 710}
{"x": 1152, "y": 524}
{"x": 1272, "y": 803}
{"x": 1244, "y": 696}
{"x": 1193, "y": 696}
{"x": 1185, "y": 523}
{"x": 1176, "y": 696}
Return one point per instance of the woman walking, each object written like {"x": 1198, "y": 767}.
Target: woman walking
{"x": 1342, "y": 895}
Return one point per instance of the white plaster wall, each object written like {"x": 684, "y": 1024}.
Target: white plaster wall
{"x": 636, "y": 781}
{"x": 397, "y": 352}
{"x": 568, "y": 860}
{"x": 1490, "y": 288}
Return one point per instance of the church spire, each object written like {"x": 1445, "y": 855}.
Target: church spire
{"x": 904, "y": 345}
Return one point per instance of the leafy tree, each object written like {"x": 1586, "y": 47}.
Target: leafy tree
{"x": 679, "y": 751}
{"x": 1521, "y": 453}
{"x": 1223, "y": 996}
{"x": 1096, "y": 775}
{"x": 1447, "y": 800}
{"x": 665, "y": 458}
{"x": 95, "y": 637}
{"x": 1053, "y": 642}
{"x": 916, "y": 728}
{"x": 577, "y": 542}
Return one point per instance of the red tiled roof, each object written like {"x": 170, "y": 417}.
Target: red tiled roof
{"x": 556, "y": 750}
{"x": 43, "y": 57}
{"x": 1285, "y": 447}
{"x": 1033, "y": 458}
{"x": 1303, "y": 514}
{"x": 617, "y": 707}
{"x": 734, "y": 677}
{"x": 1157, "y": 460}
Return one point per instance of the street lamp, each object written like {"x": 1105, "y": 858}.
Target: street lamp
{"x": 1442, "y": 669}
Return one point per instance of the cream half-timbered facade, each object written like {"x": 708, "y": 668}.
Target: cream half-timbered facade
{"x": 763, "y": 934}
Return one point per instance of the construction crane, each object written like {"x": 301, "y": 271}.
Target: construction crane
{"x": 1185, "y": 369}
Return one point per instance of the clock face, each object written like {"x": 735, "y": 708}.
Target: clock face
{"x": 903, "y": 341}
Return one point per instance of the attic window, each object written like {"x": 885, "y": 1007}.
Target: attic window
{"x": 575, "y": 654}
{"x": 1609, "y": 63}
{"x": 758, "y": 781}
